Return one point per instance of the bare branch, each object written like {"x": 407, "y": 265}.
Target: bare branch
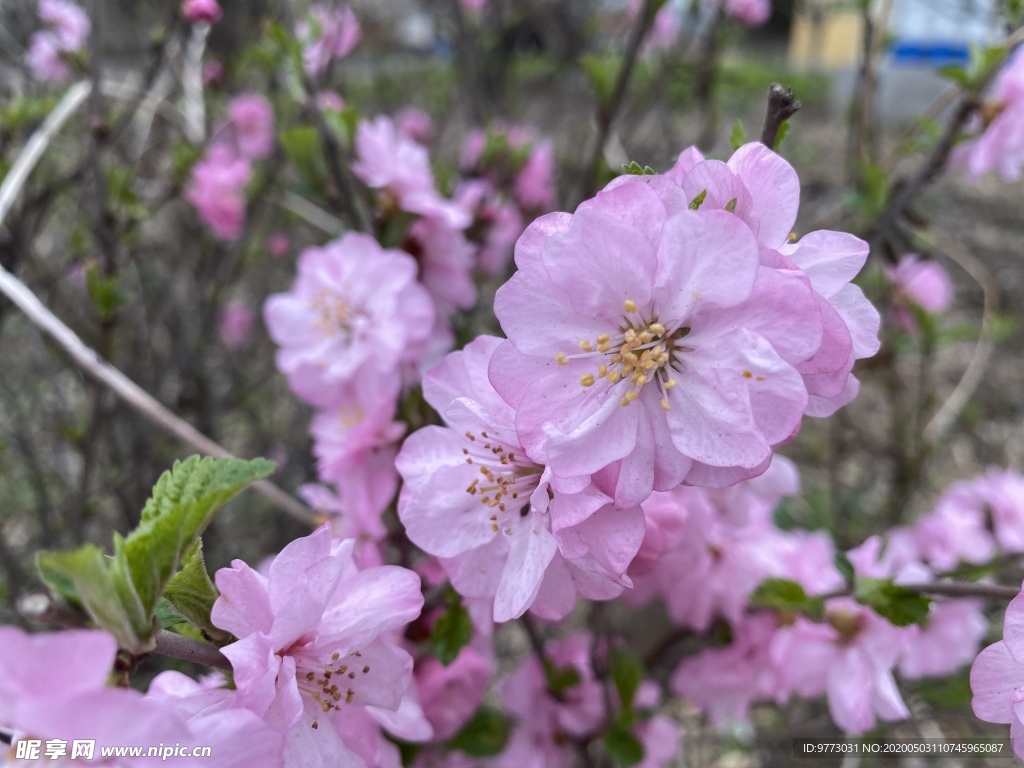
{"x": 185, "y": 648}
{"x": 782, "y": 105}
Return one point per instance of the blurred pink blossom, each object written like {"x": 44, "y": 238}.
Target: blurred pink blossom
{"x": 329, "y": 33}
{"x": 252, "y": 118}
{"x": 45, "y": 59}
{"x": 196, "y": 11}
{"x": 212, "y": 72}
{"x": 451, "y": 694}
{"x": 278, "y": 244}
{"x": 235, "y": 324}
{"x": 998, "y": 143}
{"x": 997, "y": 677}
{"x": 69, "y": 23}
{"x": 217, "y": 191}
{"x": 752, "y": 13}
{"x": 923, "y": 283}
{"x": 330, "y": 100}
{"x": 415, "y": 123}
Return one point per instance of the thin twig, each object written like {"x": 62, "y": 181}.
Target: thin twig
{"x": 968, "y": 384}
{"x": 23, "y": 298}
{"x": 606, "y": 113}
{"x": 180, "y": 647}
{"x": 312, "y": 213}
{"x": 964, "y": 589}
{"x": 782, "y": 105}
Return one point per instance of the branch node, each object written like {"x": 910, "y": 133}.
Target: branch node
{"x": 782, "y": 105}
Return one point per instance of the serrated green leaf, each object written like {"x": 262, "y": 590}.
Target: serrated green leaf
{"x": 192, "y": 594}
{"x": 894, "y": 603}
{"x": 623, "y": 747}
{"x": 844, "y": 566}
{"x": 787, "y": 595}
{"x": 738, "y": 135}
{"x": 183, "y": 503}
{"x": 698, "y": 201}
{"x": 110, "y": 604}
{"x": 451, "y": 633}
{"x": 627, "y": 672}
{"x": 484, "y": 735}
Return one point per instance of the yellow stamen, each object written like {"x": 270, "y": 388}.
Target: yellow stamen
{"x": 630, "y": 305}
{"x": 587, "y": 380}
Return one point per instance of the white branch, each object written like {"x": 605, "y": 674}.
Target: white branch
{"x": 192, "y": 84}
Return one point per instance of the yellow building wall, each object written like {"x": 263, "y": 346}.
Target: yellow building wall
{"x": 825, "y": 36}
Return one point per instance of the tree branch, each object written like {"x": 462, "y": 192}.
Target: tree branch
{"x": 23, "y": 298}
{"x": 185, "y": 648}
{"x": 782, "y": 105}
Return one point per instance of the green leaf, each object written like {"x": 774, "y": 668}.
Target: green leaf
{"x": 484, "y": 735}
{"x": 105, "y": 292}
{"x": 623, "y": 746}
{"x": 698, "y": 201}
{"x": 738, "y": 136}
{"x": 302, "y": 145}
{"x": 627, "y": 672}
{"x": 633, "y": 168}
{"x": 897, "y": 605}
{"x": 452, "y": 631}
{"x": 602, "y": 72}
{"x": 844, "y": 566}
{"x": 183, "y": 503}
{"x": 786, "y": 595}
{"x": 783, "y": 132}
{"x": 192, "y": 594}
{"x": 947, "y": 692}
{"x": 561, "y": 679}
{"x": 731, "y": 205}
{"x": 112, "y": 605}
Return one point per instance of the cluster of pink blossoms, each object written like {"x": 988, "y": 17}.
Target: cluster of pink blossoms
{"x": 67, "y": 29}
{"x": 217, "y": 185}
{"x": 998, "y": 141}
{"x": 362, "y": 323}
{"x": 725, "y": 540}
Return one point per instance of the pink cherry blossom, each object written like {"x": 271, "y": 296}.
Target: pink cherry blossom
{"x": 724, "y": 682}
{"x": 45, "y": 60}
{"x": 213, "y": 71}
{"x": 664, "y": 29}
{"x": 69, "y": 23}
{"x": 328, "y": 34}
{"x": 388, "y": 160}
{"x": 660, "y": 735}
{"x": 235, "y": 324}
{"x": 330, "y": 100}
{"x": 415, "y": 123}
{"x": 998, "y": 143}
{"x": 955, "y": 531}
{"x": 252, "y": 118}
{"x": 355, "y": 310}
{"x": 534, "y": 186}
{"x": 497, "y": 223}
{"x": 997, "y": 677}
{"x": 947, "y": 641}
{"x": 547, "y": 725}
{"x": 445, "y": 260}
{"x": 69, "y": 700}
{"x": 350, "y": 520}
{"x": 849, "y": 658}
{"x": 217, "y": 191}
{"x": 450, "y": 695}
{"x": 503, "y": 528}
{"x": 195, "y": 11}
{"x": 648, "y": 346}
{"x": 764, "y": 191}
{"x": 313, "y": 644}
{"x": 752, "y": 13}
{"x": 923, "y": 283}
{"x": 278, "y": 244}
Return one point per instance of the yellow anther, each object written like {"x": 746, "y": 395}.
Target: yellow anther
{"x": 495, "y": 527}
{"x": 624, "y": 402}
{"x": 669, "y": 383}
{"x": 748, "y": 375}
{"x": 639, "y": 379}
{"x": 562, "y": 359}
{"x": 586, "y": 346}
{"x": 630, "y": 305}
{"x": 604, "y": 347}
{"x": 657, "y": 329}
{"x": 604, "y": 338}
{"x": 613, "y": 376}
{"x": 587, "y": 380}
{"x": 665, "y": 404}
{"x": 602, "y": 370}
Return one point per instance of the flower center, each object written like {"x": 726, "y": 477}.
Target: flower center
{"x": 329, "y": 684}
{"x": 506, "y": 476}
{"x": 334, "y": 314}
{"x": 642, "y": 351}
